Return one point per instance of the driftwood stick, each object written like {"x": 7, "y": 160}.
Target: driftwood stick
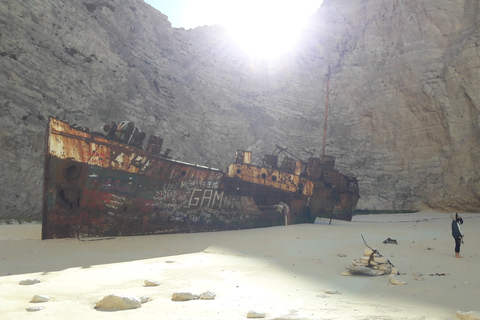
{"x": 374, "y": 251}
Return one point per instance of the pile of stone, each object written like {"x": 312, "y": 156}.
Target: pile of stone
{"x": 371, "y": 264}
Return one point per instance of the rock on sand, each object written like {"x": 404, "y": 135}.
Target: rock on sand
{"x": 151, "y": 283}
{"x": 471, "y": 315}
{"x": 40, "y": 298}
{"x": 28, "y": 282}
{"x": 33, "y": 309}
{"x": 396, "y": 281}
{"x": 119, "y": 302}
{"x": 255, "y": 314}
{"x": 183, "y": 296}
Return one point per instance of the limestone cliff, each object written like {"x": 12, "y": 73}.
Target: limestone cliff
{"x": 404, "y": 112}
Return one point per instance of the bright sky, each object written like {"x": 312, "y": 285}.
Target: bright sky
{"x": 263, "y": 28}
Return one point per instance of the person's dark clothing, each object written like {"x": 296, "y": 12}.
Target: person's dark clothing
{"x": 458, "y": 242}
{"x": 457, "y": 231}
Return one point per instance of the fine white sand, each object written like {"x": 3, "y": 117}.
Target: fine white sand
{"x": 280, "y": 271}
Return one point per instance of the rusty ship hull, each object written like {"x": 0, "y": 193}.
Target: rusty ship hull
{"x": 97, "y": 186}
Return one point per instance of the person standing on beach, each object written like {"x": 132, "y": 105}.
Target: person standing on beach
{"x": 457, "y": 233}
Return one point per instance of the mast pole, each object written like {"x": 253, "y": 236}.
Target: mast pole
{"x": 326, "y": 116}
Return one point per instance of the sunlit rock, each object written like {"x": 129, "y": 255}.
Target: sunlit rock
{"x": 118, "y": 302}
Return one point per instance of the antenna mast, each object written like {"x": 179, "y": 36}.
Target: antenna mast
{"x": 326, "y": 115}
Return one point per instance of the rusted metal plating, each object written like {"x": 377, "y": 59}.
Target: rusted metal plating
{"x": 271, "y": 178}
{"x": 107, "y": 186}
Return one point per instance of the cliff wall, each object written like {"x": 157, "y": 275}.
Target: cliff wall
{"x": 404, "y": 104}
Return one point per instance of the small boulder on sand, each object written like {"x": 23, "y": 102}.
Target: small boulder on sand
{"x": 207, "y": 295}
{"x": 40, "y": 298}
{"x": 183, "y": 296}
{"x": 28, "y": 282}
{"x": 471, "y": 315}
{"x": 36, "y": 308}
{"x": 332, "y": 291}
{"x": 255, "y": 314}
{"x": 151, "y": 283}
{"x": 119, "y": 302}
{"x": 395, "y": 281}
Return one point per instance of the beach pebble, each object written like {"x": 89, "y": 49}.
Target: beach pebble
{"x": 332, "y": 291}
{"x": 33, "y": 309}
{"x": 144, "y": 299}
{"x": 40, "y": 298}
{"x": 119, "y": 302}
{"x": 396, "y": 281}
{"x": 208, "y": 295}
{"x": 471, "y": 315}
{"x": 27, "y": 282}
{"x": 255, "y": 314}
{"x": 183, "y": 296}
{"x": 151, "y": 283}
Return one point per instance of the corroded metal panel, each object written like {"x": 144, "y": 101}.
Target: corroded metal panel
{"x": 65, "y": 142}
{"x": 271, "y": 177}
{"x": 104, "y": 202}
{"x": 243, "y": 157}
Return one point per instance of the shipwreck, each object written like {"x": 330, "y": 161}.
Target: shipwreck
{"x": 107, "y": 184}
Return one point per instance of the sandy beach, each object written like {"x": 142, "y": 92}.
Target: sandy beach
{"x": 283, "y": 272}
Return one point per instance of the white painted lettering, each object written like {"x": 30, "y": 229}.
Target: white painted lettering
{"x": 207, "y": 195}
{"x": 194, "y": 200}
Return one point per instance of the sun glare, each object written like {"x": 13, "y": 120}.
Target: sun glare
{"x": 263, "y": 28}
{"x": 267, "y": 28}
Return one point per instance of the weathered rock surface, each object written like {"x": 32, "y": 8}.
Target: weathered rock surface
{"x": 115, "y": 302}
{"x": 35, "y": 308}
{"x": 395, "y": 281}
{"x": 364, "y": 271}
{"x": 27, "y": 282}
{"x": 207, "y": 295}
{"x": 332, "y": 291}
{"x": 470, "y": 315}
{"x": 151, "y": 283}
{"x": 404, "y": 98}
{"x": 255, "y": 314}
{"x": 40, "y": 298}
{"x": 370, "y": 264}
{"x": 183, "y": 296}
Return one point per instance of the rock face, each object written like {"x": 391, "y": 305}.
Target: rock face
{"x": 404, "y": 105}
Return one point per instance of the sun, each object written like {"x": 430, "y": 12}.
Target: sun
{"x": 267, "y": 28}
{"x": 262, "y": 28}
